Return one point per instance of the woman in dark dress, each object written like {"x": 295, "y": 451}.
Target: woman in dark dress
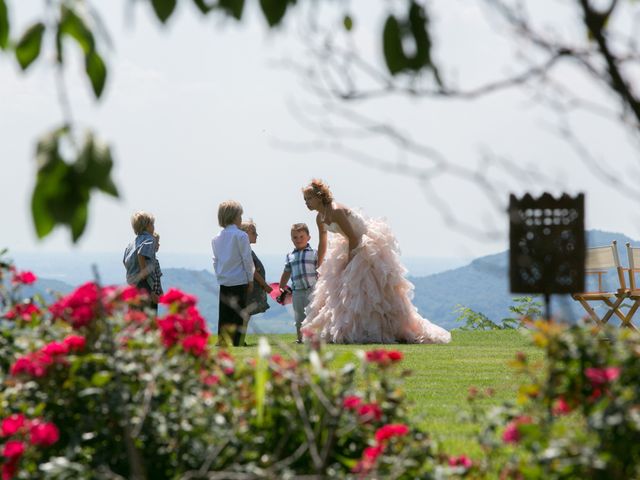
{"x": 257, "y": 299}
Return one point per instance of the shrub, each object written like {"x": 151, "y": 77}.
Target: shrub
{"x": 577, "y": 414}
{"x": 93, "y": 386}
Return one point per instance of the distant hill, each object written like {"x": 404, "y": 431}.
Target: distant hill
{"x": 482, "y": 285}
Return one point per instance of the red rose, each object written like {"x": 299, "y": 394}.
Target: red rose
{"x": 9, "y": 469}
{"x": 54, "y": 348}
{"x": 368, "y": 461}
{"x": 195, "y": 344}
{"x": 383, "y": 357}
{"x": 24, "y": 311}
{"x": 391, "y": 430}
{"x": 44, "y": 434}
{"x": 75, "y": 343}
{"x": 395, "y": 355}
{"x": 174, "y": 295}
{"x": 13, "y": 449}
{"x": 369, "y": 411}
{"x": 11, "y": 425}
{"x": 25, "y": 278}
{"x": 351, "y": 402}
{"x": 22, "y": 365}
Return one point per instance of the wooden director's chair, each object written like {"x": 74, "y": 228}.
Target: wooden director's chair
{"x": 599, "y": 261}
{"x": 634, "y": 292}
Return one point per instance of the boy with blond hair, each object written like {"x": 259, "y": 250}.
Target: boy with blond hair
{"x": 301, "y": 266}
{"x": 234, "y": 269}
{"x": 140, "y": 255}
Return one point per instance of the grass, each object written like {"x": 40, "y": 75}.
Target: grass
{"x": 442, "y": 374}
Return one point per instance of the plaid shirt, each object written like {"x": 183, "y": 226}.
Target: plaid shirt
{"x": 154, "y": 279}
{"x": 302, "y": 265}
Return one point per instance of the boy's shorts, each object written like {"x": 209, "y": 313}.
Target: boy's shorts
{"x": 301, "y": 299}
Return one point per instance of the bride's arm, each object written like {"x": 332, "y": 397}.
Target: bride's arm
{"x": 322, "y": 240}
{"x": 340, "y": 217}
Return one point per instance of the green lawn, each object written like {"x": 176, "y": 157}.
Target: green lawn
{"x": 442, "y": 375}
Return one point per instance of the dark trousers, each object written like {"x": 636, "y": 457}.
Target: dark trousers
{"x": 233, "y": 301}
{"x": 143, "y": 285}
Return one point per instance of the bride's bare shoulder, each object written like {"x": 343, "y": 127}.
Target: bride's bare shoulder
{"x": 343, "y": 209}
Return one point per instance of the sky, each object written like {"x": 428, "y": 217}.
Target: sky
{"x": 203, "y": 110}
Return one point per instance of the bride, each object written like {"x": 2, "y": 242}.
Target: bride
{"x": 362, "y": 295}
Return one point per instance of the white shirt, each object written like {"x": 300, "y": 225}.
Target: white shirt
{"x": 232, "y": 259}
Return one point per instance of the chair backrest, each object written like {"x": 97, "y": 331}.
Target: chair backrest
{"x": 600, "y": 259}
{"x": 634, "y": 264}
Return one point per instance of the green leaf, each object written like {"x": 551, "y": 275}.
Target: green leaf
{"x": 63, "y": 190}
{"x": 232, "y": 7}
{"x": 163, "y": 8}
{"x": 51, "y": 171}
{"x": 96, "y": 71}
{"x": 100, "y": 379}
{"x": 43, "y": 221}
{"x": 203, "y": 6}
{"x": 261, "y": 387}
{"x": 94, "y": 165}
{"x": 78, "y": 221}
{"x": 28, "y": 47}
{"x": 4, "y": 25}
{"x": 347, "y": 21}
{"x": 392, "y": 46}
{"x": 75, "y": 27}
{"x": 274, "y": 10}
{"x": 418, "y": 23}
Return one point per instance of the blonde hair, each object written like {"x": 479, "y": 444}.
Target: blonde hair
{"x": 297, "y": 227}
{"x": 227, "y": 212}
{"x": 320, "y": 189}
{"x": 140, "y": 221}
{"x": 248, "y": 225}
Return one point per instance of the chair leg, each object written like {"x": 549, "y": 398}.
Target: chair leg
{"x": 626, "y": 322}
{"x": 613, "y": 308}
{"x": 592, "y": 313}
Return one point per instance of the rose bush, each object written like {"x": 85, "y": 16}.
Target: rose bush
{"x": 577, "y": 414}
{"x": 93, "y": 386}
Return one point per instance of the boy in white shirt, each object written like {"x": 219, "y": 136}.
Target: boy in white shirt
{"x": 234, "y": 269}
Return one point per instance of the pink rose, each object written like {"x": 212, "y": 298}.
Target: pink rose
{"x": 601, "y": 376}
{"x": 460, "y": 461}
{"x": 561, "y": 407}
{"x": 511, "y": 433}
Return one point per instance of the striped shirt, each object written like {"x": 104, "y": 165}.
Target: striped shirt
{"x": 302, "y": 264}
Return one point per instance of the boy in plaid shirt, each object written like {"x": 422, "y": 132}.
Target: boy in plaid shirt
{"x": 154, "y": 276}
{"x": 301, "y": 267}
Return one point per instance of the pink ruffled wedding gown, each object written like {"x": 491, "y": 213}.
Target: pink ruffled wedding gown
{"x": 367, "y": 300}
